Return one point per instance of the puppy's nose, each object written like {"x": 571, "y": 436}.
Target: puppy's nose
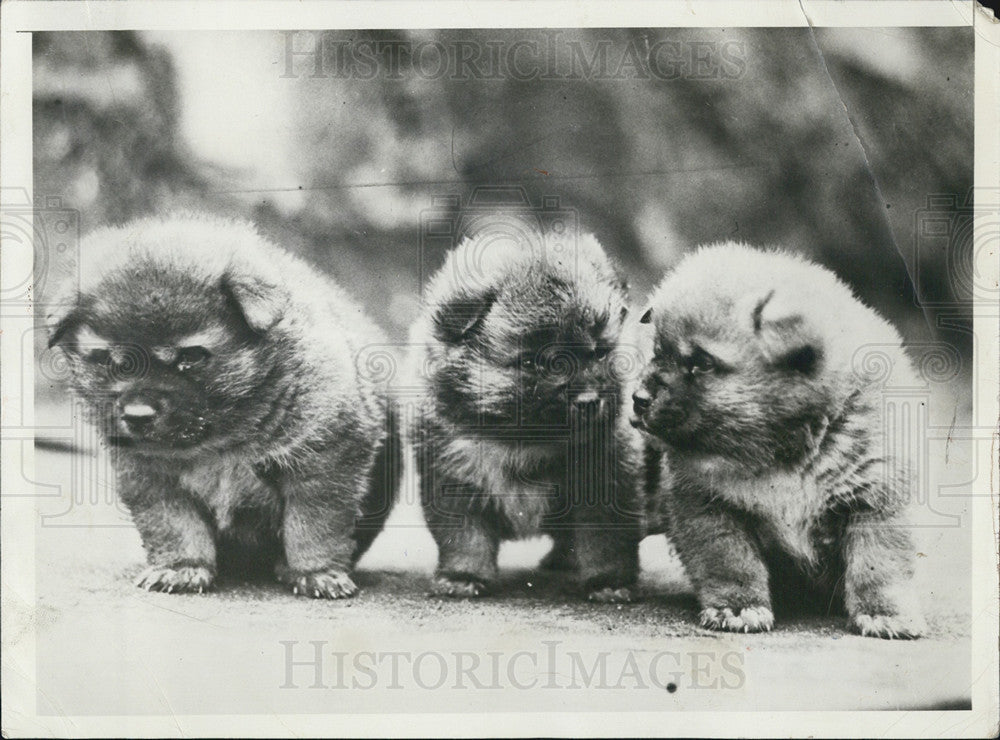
{"x": 138, "y": 415}
{"x": 138, "y": 411}
{"x": 641, "y": 401}
{"x": 140, "y": 408}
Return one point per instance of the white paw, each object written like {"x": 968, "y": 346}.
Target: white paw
{"x": 457, "y": 588}
{"x": 187, "y": 578}
{"x": 897, "y": 627}
{"x": 323, "y": 584}
{"x": 749, "y": 619}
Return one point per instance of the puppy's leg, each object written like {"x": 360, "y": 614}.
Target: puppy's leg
{"x": 727, "y": 571}
{"x": 608, "y": 553}
{"x": 467, "y": 542}
{"x": 467, "y": 556}
{"x": 321, "y": 506}
{"x": 606, "y": 526}
{"x": 179, "y": 542}
{"x": 878, "y": 559}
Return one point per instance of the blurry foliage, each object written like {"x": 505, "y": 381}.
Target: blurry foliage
{"x": 653, "y": 167}
{"x": 105, "y": 126}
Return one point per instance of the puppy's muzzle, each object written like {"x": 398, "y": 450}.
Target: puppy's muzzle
{"x": 641, "y": 402}
{"x": 658, "y": 414}
{"x": 139, "y": 411}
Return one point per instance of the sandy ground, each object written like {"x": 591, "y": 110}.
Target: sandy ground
{"x": 106, "y": 647}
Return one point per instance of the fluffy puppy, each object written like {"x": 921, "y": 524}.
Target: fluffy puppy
{"x": 223, "y": 371}
{"x": 779, "y": 481}
{"x": 517, "y": 432}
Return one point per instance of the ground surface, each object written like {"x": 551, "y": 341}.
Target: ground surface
{"x": 107, "y": 647}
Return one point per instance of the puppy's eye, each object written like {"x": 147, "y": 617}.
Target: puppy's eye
{"x": 526, "y": 361}
{"x": 701, "y": 362}
{"x": 189, "y": 357}
{"x": 99, "y": 356}
{"x": 601, "y": 351}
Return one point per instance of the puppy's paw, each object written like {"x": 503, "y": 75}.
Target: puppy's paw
{"x": 749, "y": 619}
{"x": 896, "y": 627}
{"x": 609, "y": 595}
{"x": 458, "y": 588}
{"x": 183, "y": 579}
{"x": 320, "y": 584}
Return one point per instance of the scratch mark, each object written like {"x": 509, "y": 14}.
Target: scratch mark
{"x": 163, "y": 694}
{"x": 951, "y": 430}
{"x": 864, "y": 157}
{"x": 454, "y": 164}
{"x": 423, "y": 183}
{"x": 151, "y": 602}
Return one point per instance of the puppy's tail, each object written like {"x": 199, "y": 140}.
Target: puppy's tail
{"x": 383, "y": 490}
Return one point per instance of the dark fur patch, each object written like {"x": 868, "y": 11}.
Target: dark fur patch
{"x": 456, "y": 320}
{"x": 759, "y": 310}
{"x": 804, "y": 359}
{"x": 63, "y": 325}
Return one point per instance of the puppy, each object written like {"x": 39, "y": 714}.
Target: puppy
{"x": 778, "y": 480}
{"x": 518, "y": 429}
{"x": 223, "y": 371}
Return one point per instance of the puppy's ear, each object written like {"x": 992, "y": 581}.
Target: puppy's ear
{"x": 60, "y": 324}
{"x": 62, "y": 318}
{"x": 261, "y": 302}
{"x": 789, "y": 342}
{"x": 773, "y": 312}
{"x": 458, "y": 320}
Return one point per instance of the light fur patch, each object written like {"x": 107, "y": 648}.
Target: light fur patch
{"x": 166, "y": 355}
{"x": 224, "y": 483}
{"x": 494, "y": 467}
{"x": 789, "y": 502}
{"x": 88, "y": 339}
{"x": 208, "y": 338}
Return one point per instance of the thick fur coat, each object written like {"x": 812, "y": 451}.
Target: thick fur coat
{"x": 224, "y": 371}
{"x": 518, "y": 430}
{"x": 778, "y": 479}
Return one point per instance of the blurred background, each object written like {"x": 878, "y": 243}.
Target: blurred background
{"x": 839, "y": 143}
